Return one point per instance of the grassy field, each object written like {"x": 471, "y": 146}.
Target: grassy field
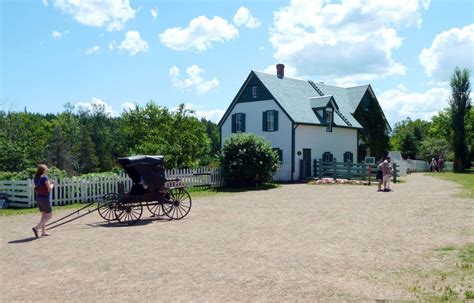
{"x": 466, "y": 180}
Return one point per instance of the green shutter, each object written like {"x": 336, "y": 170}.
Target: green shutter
{"x": 243, "y": 123}
{"x": 275, "y": 123}
{"x": 233, "y": 123}
{"x": 280, "y": 155}
{"x": 264, "y": 122}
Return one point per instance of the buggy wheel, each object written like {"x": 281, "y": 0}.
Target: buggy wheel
{"x": 128, "y": 213}
{"x": 177, "y": 203}
{"x": 155, "y": 208}
{"x": 107, "y": 205}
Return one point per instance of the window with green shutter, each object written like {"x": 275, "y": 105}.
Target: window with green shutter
{"x": 327, "y": 157}
{"x": 270, "y": 121}
{"x": 348, "y": 157}
{"x": 238, "y": 123}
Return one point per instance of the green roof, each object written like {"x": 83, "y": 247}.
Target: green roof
{"x": 297, "y": 97}
{"x": 319, "y": 102}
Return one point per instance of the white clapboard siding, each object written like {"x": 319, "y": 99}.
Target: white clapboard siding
{"x": 283, "y": 173}
{"x": 89, "y": 189}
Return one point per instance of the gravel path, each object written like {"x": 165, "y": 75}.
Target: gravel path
{"x": 298, "y": 242}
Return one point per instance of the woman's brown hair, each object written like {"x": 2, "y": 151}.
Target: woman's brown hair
{"x": 41, "y": 169}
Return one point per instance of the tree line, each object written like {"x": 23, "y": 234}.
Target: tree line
{"x": 89, "y": 141}
{"x": 450, "y": 133}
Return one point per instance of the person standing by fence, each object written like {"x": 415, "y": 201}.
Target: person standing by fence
{"x": 43, "y": 188}
{"x": 380, "y": 174}
{"x": 387, "y": 174}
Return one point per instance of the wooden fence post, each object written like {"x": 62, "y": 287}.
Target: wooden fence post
{"x": 394, "y": 172}
{"x": 320, "y": 171}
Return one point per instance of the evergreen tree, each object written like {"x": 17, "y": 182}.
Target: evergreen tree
{"x": 460, "y": 105}
{"x": 88, "y": 159}
{"x": 58, "y": 152}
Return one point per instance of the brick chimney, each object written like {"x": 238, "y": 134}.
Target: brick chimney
{"x": 280, "y": 70}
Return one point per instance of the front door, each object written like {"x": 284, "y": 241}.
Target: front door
{"x": 306, "y": 162}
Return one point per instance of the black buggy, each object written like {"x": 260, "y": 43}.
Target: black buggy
{"x": 150, "y": 188}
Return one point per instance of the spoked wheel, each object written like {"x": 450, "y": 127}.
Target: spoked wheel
{"x": 177, "y": 203}
{"x": 107, "y": 206}
{"x": 128, "y": 213}
{"x": 155, "y": 208}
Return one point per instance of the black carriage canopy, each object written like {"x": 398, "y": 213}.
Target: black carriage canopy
{"x": 146, "y": 172}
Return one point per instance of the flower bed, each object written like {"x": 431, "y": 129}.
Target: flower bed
{"x": 338, "y": 181}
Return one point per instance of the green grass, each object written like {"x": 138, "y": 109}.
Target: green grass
{"x": 453, "y": 283}
{"x": 466, "y": 180}
{"x": 198, "y": 192}
{"x": 34, "y": 210}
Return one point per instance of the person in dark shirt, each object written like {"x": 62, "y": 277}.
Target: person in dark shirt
{"x": 43, "y": 189}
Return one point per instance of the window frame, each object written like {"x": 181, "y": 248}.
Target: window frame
{"x": 254, "y": 92}
{"x": 327, "y": 154}
{"x": 351, "y": 158}
{"x": 270, "y": 121}
{"x": 329, "y": 118}
{"x": 239, "y": 123}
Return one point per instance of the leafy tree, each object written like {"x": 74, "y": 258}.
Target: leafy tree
{"x": 248, "y": 160}
{"x": 434, "y": 147}
{"x": 177, "y": 135}
{"x": 460, "y": 104}
{"x": 408, "y": 145}
{"x": 408, "y": 135}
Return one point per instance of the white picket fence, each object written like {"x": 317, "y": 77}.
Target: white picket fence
{"x": 82, "y": 190}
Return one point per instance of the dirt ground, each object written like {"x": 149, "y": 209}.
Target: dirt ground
{"x": 297, "y": 242}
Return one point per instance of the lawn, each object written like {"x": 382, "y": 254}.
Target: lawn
{"x": 466, "y": 180}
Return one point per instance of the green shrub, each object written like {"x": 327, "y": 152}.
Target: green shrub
{"x": 29, "y": 173}
{"x": 248, "y": 160}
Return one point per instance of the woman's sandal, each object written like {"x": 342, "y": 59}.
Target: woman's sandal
{"x": 35, "y": 232}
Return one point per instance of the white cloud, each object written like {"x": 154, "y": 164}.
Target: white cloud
{"x": 200, "y": 34}
{"x": 92, "y": 50}
{"x": 213, "y": 115}
{"x": 399, "y": 103}
{"x": 112, "y": 45}
{"x": 194, "y": 81}
{"x": 111, "y": 13}
{"x": 45, "y": 2}
{"x": 56, "y": 35}
{"x": 243, "y": 17}
{"x": 127, "y": 106}
{"x": 353, "y": 38}
{"x": 154, "y": 13}
{"x": 449, "y": 49}
{"x": 133, "y": 43}
{"x": 95, "y": 103}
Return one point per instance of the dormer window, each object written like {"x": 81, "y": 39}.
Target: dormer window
{"x": 329, "y": 119}
{"x": 254, "y": 92}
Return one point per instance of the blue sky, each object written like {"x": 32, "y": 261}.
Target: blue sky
{"x": 119, "y": 53}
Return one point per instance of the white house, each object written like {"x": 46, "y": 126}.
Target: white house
{"x": 303, "y": 120}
